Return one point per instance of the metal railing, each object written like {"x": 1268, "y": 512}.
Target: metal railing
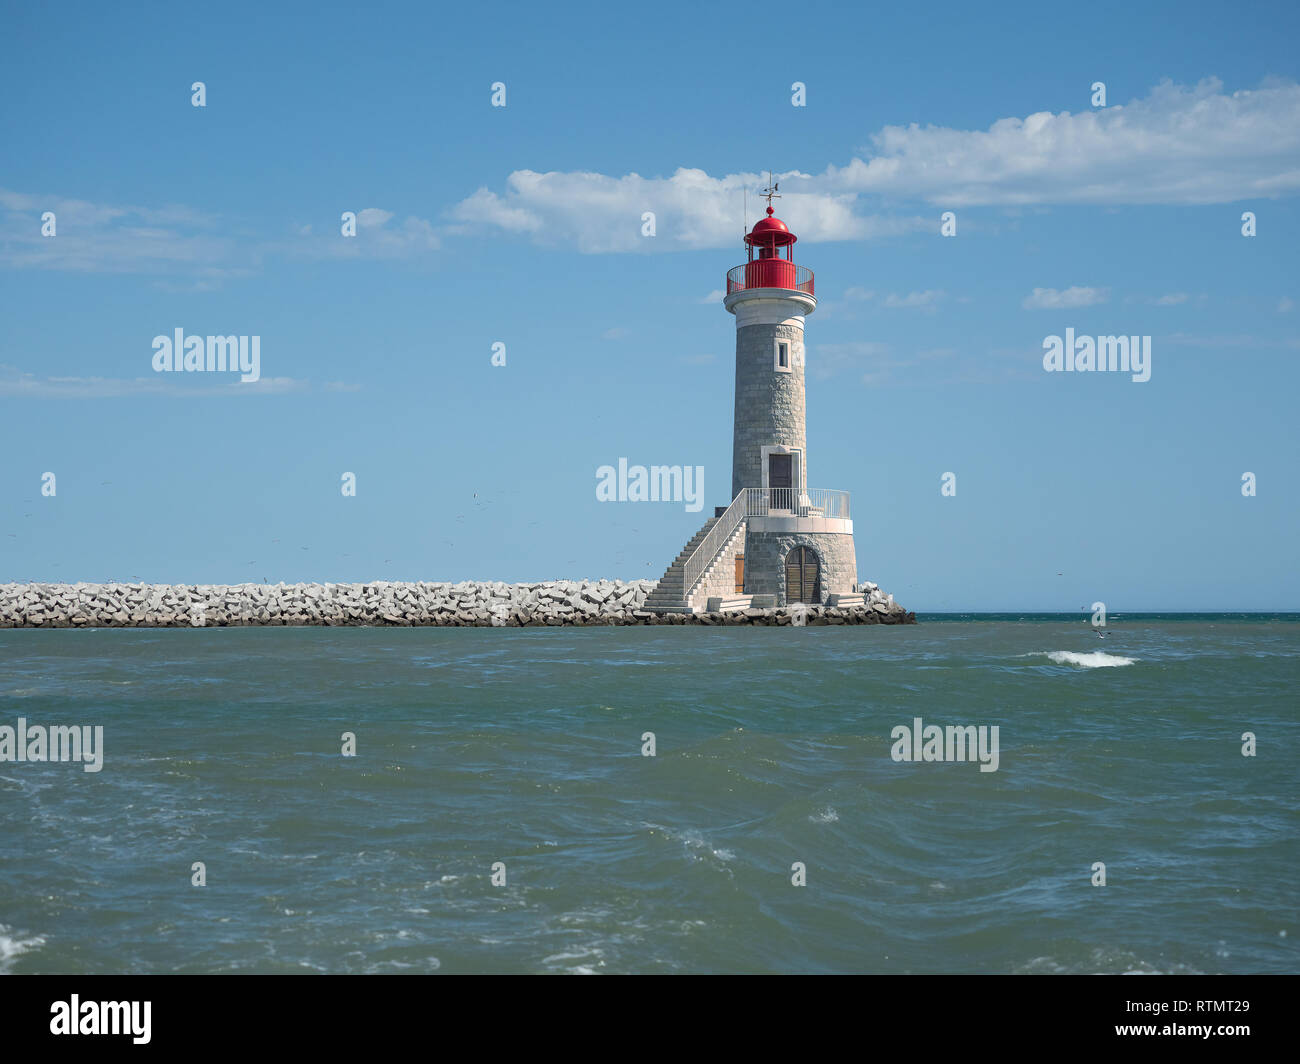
{"x": 702, "y": 557}
{"x": 797, "y": 502}
{"x": 759, "y": 502}
{"x": 762, "y": 277}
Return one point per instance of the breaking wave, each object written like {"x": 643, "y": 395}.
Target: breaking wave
{"x": 13, "y": 947}
{"x": 1096, "y": 660}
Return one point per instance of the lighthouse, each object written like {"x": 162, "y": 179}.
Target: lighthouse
{"x": 780, "y": 541}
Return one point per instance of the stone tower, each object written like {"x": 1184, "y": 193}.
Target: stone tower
{"x": 798, "y": 539}
{"x": 770, "y": 301}
{"x": 779, "y": 539}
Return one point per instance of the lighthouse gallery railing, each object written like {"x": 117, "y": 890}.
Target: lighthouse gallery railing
{"x": 760, "y": 502}
{"x": 798, "y": 502}
{"x": 770, "y": 273}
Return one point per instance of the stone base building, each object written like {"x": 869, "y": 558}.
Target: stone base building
{"x": 780, "y": 541}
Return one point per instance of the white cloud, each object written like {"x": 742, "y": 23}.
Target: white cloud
{"x": 1177, "y": 145}
{"x": 599, "y": 213}
{"x": 1173, "y": 299}
{"x": 716, "y": 296}
{"x": 858, "y": 295}
{"x": 374, "y": 239}
{"x": 1285, "y": 305}
{"x": 80, "y": 214}
{"x": 828, "y": 360}
{"x": 1181, "y": 339}
{"x": 1051, "y": 299}
{"x": 192, "y": 251}
{"x": 925, "y": 300}
{"x": 17, "y": 384}
{"x": 115, "y": 239}
{"x": 489, "y": 209}
{"x": 373, "y": 218}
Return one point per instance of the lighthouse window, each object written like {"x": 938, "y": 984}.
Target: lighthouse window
{"x": 782, "y": 356}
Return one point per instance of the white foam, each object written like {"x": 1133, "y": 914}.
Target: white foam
{"x": 697, "y": 847}
{"x": 12, "y": 948}
{"x": 1096, "y": 660}
{"x": 562, "y": 961}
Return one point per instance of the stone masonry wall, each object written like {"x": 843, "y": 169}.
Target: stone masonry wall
{"x": 765, "y": 554}
{"x": 721, "y": 582}
{"x": 769, "y": 404}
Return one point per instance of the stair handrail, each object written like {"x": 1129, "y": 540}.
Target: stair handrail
{"x": 700, "y": 558}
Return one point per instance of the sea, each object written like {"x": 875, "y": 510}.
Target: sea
{"x": 658, "y": 799}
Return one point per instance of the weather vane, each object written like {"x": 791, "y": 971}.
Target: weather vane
{"x": 771, "y": 192}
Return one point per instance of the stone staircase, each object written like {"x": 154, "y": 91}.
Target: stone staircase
{"x": 669, "y": 596}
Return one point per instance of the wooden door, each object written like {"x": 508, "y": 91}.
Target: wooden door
{"x": 780, "y": 479}
{"x": 740, "y": 575}
{"x": 802, "y": 576}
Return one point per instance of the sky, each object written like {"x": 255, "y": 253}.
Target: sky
{"x": 523, "y": 225}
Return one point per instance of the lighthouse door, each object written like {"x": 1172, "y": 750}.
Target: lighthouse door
{"x": 802, "y": 576}
{"x": 780, "y": 479}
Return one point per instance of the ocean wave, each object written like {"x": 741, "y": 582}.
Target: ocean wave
{"x": 12, "y": 947}
{"x": 1101, "y": 961}
{"x": 1096, "y": 660}
{"x": 564, "y": 961}
{"x": 695, "y": 845}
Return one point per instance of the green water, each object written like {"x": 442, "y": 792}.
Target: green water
{"x": 524, "y": 746}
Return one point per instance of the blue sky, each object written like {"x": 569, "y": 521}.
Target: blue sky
{"x": 522, "y": 225}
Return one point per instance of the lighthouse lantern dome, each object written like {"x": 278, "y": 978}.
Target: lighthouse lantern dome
{"x": 770, "y": 232}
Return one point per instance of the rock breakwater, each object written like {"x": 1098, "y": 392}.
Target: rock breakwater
{"x": 384, "y": 603}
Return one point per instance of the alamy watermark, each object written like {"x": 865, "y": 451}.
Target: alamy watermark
{"x": 212, "y": 354}
{"x": 1083, "y": 354}
{"x": 102, "y": 1017}
{"x": 56, "y": 743}
{"x": 933, "y": 743}
{"x": 655, "y": 484}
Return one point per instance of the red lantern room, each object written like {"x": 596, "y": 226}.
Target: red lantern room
{"x": 770, "y": 268}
